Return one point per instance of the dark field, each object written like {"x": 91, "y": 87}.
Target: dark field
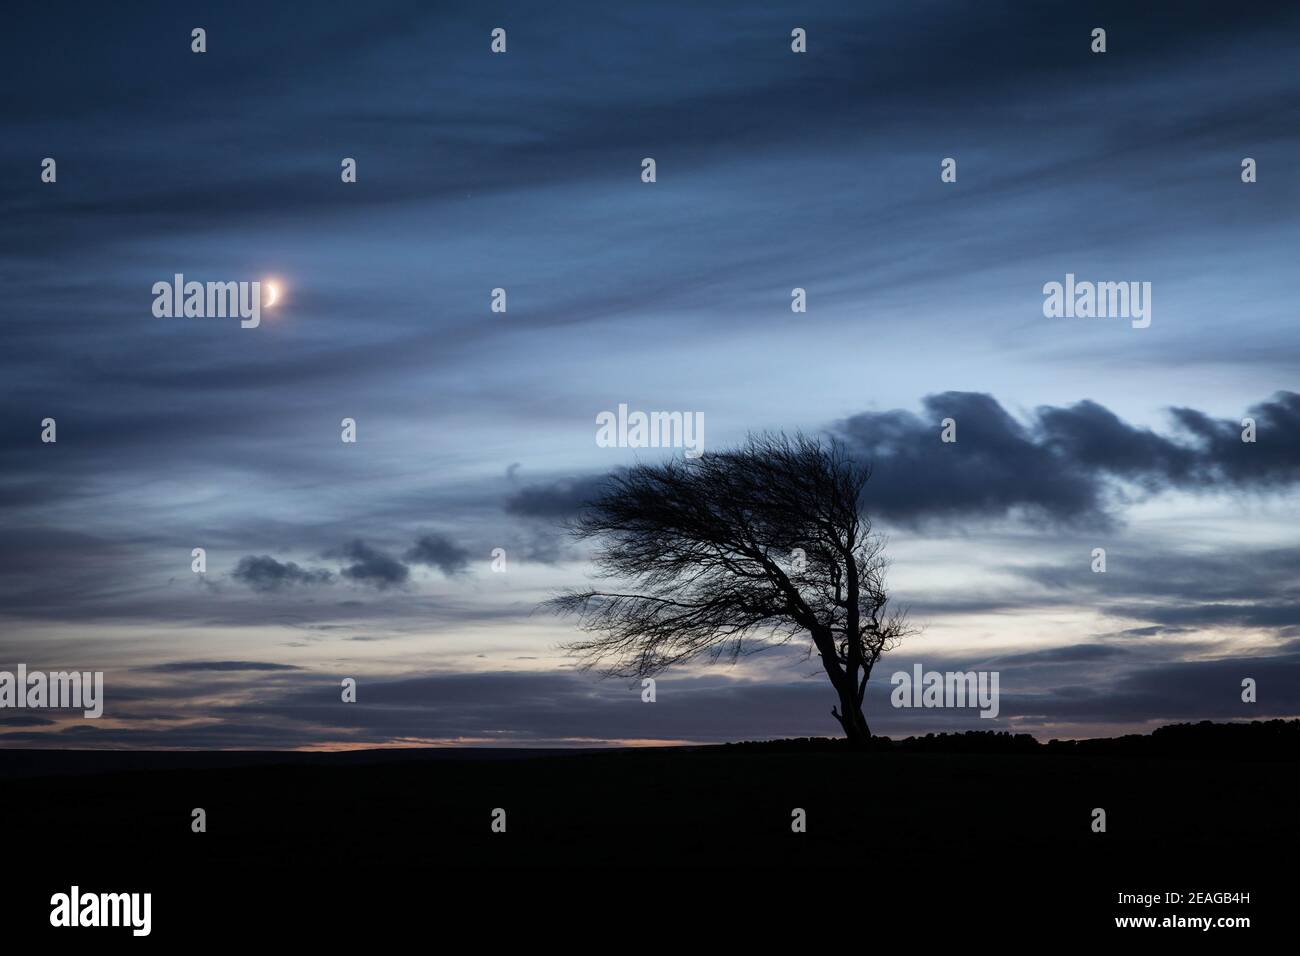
{"x": 1005, "y": 834}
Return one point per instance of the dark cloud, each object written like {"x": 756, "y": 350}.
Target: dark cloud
{"x": 1072, "y": 652}
{"x": 1062, "y": 464}
{"x": 1138, "y": 570}
{"x": 1180, "y": 592}
{"x": 24, "y": 720}
{"x": 438, "y": 551}
{"x": 1266, "y": 616}
{"x": 373, "y": 567}
{"x": 1201, "y": 690}
{"x": 1273, "y": 460}
{"x": 915, "y": 475}
{"x": 1089, "y": 435}
{"x": 264, "y": 573}
{"x": 557, "y": 499}
{"x": 1154, "y": 630}
{"x": 1065, "y": 465}
{"x": 185, "y": 667}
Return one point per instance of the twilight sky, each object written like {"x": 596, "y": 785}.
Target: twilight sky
{"x": 476, "y": 429}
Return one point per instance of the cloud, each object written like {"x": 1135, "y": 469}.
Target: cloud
{"x": 438, "y": 551}
{"x": 1263, "y": 615}
{"x": 1273, "y": 460}
{"x": 1051, "y": 691}
{"x": 264, "y": 573}
{"x": 186, "y": 667}
{"x": 367, "y": 565}
{"x": 1091, "y": 436}
{"x": 1177, "y": 593}
{"x": 557, "y": 499}
{"x": 373, "y": 567}
{"x": 1072, "y": 652}
{"x": 1184, "y": 690}
{"x": 915, "y": 475}
{"x": 1066, "y": 465}
{"x": 24, "y": 720}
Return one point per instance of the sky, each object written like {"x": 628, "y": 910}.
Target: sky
{"x": 522, "y": 170}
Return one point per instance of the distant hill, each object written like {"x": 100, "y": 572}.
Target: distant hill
{"x": 1266, "y": 739}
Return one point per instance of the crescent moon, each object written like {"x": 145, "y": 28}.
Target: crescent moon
{"x": 275, "y": 294}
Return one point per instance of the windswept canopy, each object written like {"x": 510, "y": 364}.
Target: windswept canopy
{"x": 722, "y": 553}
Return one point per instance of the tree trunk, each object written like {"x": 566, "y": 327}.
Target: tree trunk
{"x": 849, "y": 714}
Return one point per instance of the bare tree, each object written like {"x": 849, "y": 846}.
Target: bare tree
{"x": 731, "y": 551}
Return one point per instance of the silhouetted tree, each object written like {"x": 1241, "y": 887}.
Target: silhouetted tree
{"x": 732, "y": 549}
